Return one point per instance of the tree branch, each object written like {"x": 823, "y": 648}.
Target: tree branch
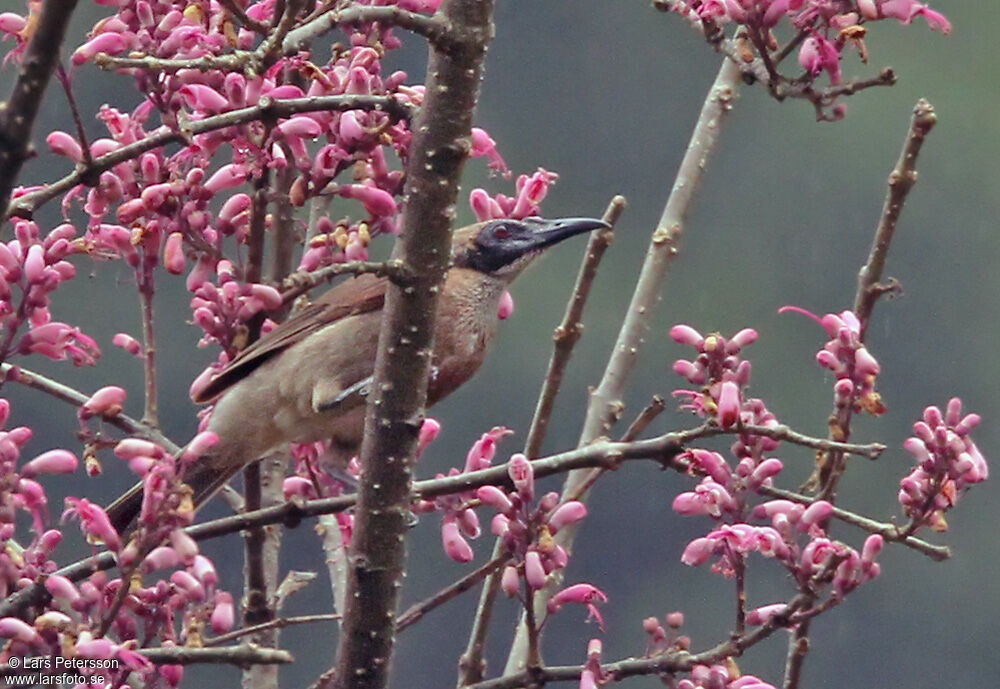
{"x": 403, "y": 360}
{"x": 18, "y": 114}
{"x": 435, "y": 29}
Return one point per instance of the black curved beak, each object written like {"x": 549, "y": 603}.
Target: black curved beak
{"x": 549, "y": 232}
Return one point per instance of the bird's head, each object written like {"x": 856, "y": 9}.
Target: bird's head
{"x": 503, "y": 248}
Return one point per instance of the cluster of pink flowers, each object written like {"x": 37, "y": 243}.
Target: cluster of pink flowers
{"x": 847, "y": 357}
{"x": 31, "y": 268}
{"x": 718, "y": 368}
{"x": 459, "y": 521}
{"x": 832, "y": 26}
{"x": 948, "y": 462}
{"x": 188, "y": 599}
{"x": 526, "y": 527}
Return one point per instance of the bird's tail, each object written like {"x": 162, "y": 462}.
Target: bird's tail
{"x": 205, "y": 477}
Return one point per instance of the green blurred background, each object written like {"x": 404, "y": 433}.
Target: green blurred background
{"x": 606, "y": 93}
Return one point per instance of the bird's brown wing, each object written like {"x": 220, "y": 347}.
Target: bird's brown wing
{"x": 361, "y": 294}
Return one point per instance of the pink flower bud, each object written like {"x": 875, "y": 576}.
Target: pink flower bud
{"x": 429, "y": 430}
{"x": 11, "y": 23}
{"x": 162, "y": 557}
{"x": 107, "y": 401}
{"x": 136, "y": 447}
{"x": 185, "y": 546}
{"x": 227, "y": 177}
{"x": 495, "y": 498}
{"x": 61, "y": 588}
{"x": 864, "y": 363}
{"x": 301, "y": 126}
{"x": 204, "y": 570}
{"x": 698, "y": 551}
{"x": 224, "y": 613}
{"x": 506, "y": 308}
{"x": 763, "y": 614}
{"x": 110, "y": 43}
{"x": 187, "y": 583}
{"x": 729, "y": 404}
{"x": 201, "y": 97}
{"x": 523, "y": 475}
{"x": 685, "y": 334}
{"x": 51, "y": 462}
{"x": 200, "y": 445}
{"x": 128, "y": 343}
{"x": 568, "y": 513}
{"x": 297, "y": 486}
{"x": 269, "y": 297}
{"x": 173, "y": 253}
{"x": 510, "y": 582}
{"x": 19, "y": 630}
{"x": 63, "y": 144}
{"x": 769, "y": 468}
{"x": 871, "y": 549}
{"x": 816, "y": 513}
{"x": 534, "y": 571}
{"x": 577, "y": 593}
{"x": 455, "y": 546}
{"x": 375, "y": 200}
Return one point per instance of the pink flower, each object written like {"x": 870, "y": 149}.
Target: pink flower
{"x": 729, "y": 404}
{"x": 484, "y": 145}
{"x": 584, "y": 594}
{"x": 110, "y": 43}
{"x": 63, "y": 144}
{"x": 106, "y": 402}
{"x": 173, "y": 253}
{"x": 569, "y": 512}
{"x": 506, "y": 308}
{"x": 227, "y": 177}
{"x": 93, "y": 521}
{"x": 522, "y": 474}
{"x": 51, "y": 462}
{"x": 224, "y": 613}
{"x": 455, "y": 545}
{"x": 375, "y": 200}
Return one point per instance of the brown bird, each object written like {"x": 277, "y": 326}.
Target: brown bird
{"x": 307, "y": 379}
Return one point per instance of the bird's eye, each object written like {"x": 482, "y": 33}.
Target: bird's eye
{"x": 501, "y": 233}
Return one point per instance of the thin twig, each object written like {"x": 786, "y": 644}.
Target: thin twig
{"x": 150, "y": 415}
{"x": 436, "y": 29}
{"x": 63, "y": 392}
{"x": 571, "y": 327}
{"x": 279, "y": 623}
{"x": 831, "y": 465}
{"x": 418, "y": 610}
{"x": 299, "y": 283}
{"x": 244, "y": 654}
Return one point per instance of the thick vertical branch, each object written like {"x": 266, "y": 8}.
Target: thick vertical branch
{"x": 606, "y": 400}
{"x": 17, "y": 115}
{"x": 403, "y": 361}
